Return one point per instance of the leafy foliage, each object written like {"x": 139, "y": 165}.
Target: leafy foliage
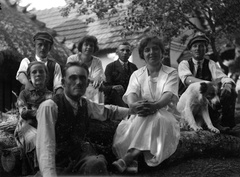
{"x": 165, "y": 18}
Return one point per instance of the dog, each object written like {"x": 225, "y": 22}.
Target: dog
{"x": 193, "y": 105}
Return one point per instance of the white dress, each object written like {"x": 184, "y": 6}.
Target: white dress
{"x": 95, "y": 72}
{"x": 158, "y": 134}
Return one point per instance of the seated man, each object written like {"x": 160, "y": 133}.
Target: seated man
{"x": 43, "y": 42}
{"x": 117, "y": 76}
{"x": 198, "y": 69}
{"x": 63, "y": 122}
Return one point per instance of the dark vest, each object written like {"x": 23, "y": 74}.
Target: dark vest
{"x": 70, "y": 130}
{"x": 206, "y": 74}
{"x": 51, "y": 69}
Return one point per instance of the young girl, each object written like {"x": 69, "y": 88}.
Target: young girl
{"x": 28, "y": 102}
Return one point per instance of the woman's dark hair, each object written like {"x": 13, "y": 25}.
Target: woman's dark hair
{"x": 144, "y": 42}
{"x": 88, "y": 38}
{"x": 70, "y": 64}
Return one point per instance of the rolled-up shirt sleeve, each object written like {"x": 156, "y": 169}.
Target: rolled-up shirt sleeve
{"x": 184, "y": 70}
{"x": 23, "y": 67}
{"x": 217, "y": 73}
{"x": 57, "y": 81}
{"x": 103, "y": 112}
{"x": 46, "y": 142}
{"x": 171, "y": 84}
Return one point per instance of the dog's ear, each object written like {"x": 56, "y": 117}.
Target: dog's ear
{"x": 203, "y": 87}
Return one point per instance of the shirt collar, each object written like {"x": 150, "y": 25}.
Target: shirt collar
{"x": 122, "y": 63}
{"x": 196, "y": 62}
{"x": 41, "y": 59}
{"x": 34, "y": 89}
{"x": 73, "y": 103}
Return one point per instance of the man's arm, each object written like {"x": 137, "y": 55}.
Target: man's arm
{"x": 219, "y": 75}
{"x": 191, "y": 79}
{"x": 185, "y": 75}
{"x": 21, "y": 75}
{"x": 104, "y": 112}
{"x": 22, "y": 78}
{"x": 46, "y": 141}
{"x": 57, "y": 80}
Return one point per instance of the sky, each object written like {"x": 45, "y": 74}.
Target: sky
{"x": 42, "y": 4}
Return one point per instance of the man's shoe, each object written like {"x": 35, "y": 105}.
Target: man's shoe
{"x": 133, "y": 167}
{"x": 120, "y": 165}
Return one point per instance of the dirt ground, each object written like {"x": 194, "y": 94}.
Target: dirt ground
{"x": 198, "y": 167}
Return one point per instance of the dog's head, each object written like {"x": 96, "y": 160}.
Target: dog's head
{"x": 209, "y": 90}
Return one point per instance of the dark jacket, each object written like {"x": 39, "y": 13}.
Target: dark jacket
{"x": 116, "y": 75}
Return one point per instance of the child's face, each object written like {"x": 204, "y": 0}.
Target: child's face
{"x": 38, "y": 76}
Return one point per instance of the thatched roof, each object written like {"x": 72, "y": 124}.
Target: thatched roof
{"x": 17, "y": 28}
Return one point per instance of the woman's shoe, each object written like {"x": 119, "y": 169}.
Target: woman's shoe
{"x": 133, "y": 167}
{"x": 120, "y": 165}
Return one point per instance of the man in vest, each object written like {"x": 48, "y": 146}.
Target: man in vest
{"x": 63, "y": 122}
{"x": 43, "y": 42}
{"x": 117, "y": 76}
{"x": 198, "y": 69}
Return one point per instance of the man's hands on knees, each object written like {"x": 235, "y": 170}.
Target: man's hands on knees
{"x": 226, "y": 90}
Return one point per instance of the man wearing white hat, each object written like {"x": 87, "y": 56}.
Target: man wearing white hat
{"x": 197, "y": 69}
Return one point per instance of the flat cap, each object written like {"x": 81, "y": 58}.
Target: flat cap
{"x": 43, "y": 35}
{"x": 198, "y": 38}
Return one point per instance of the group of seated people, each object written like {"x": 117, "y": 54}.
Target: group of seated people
{"x": 56, "y": 107}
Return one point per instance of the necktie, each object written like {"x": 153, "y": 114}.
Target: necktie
{"x": 125, "y": 67}
{"x": 199, "y": 71}
{"x": 79, "y": 108}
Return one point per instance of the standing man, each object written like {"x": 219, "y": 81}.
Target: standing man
{"x": 198, "y": 69}
{"x": 117, "y": 75}
{"x": 43, "y": 42}
{"x": 63, "y": 122}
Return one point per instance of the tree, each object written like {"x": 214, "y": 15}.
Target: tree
{"x": 166, "y": 18}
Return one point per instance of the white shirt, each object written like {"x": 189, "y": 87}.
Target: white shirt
{"x": 123, "y": 63}
{"x": 47, "y": 115}
{"x": 217, "y": 74}
{"x": 57, "y": 82}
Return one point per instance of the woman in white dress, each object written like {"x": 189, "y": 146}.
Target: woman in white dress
{"x": 152, "y": 93}
{"x": 87, "y": 46}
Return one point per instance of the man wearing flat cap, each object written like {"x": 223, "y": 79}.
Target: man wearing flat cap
{"x": 197, "y": 69}
{"x": 43, "y": 42}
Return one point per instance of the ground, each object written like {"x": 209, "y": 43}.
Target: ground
{"x": 196, "y": 160}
